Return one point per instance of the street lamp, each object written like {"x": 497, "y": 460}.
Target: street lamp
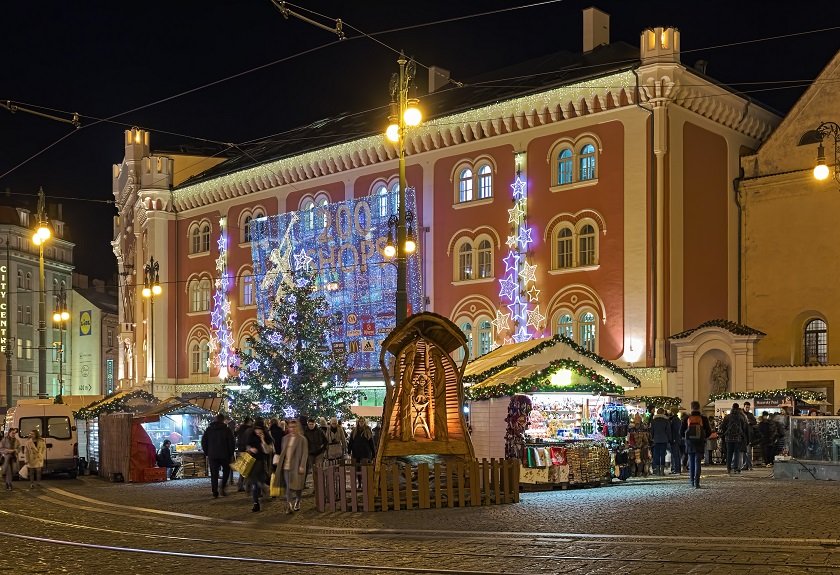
{"x": 821, "y": 170}
{"x": 151, "y": 288}
{"x": 39, "y": 238}
{"x": 61, "y": 317}
{"x": 404, "y": 113}
{"x": 410, "y": 243}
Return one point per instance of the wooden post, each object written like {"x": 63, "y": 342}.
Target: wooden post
{"x": 396, "y": 487}
{"x": 423, "y": 486}
{"x": 409, "y": 488}
{"x": 451, "y": 470}
{"x": 437, "y": 484}
{"x": 319, "y": 488}
{"x": 505, "y": 480}
{"x": 342, "y": 486}
{"x": 515, "y": 486}
{"x": 461, "y": 469}
{"x": 384, "y": 472}
{"x": 368, "y": 493}
{"x": 475, "y": 483}
{"x": 495, "y": 481}
{"x": 485, "y": 481}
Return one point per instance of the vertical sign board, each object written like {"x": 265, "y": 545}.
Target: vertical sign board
{"x": 342, "y": 244}
{"x": 85, "y": 322}
{"x": 4, "y": 308}
{"x": 109, "y": 376}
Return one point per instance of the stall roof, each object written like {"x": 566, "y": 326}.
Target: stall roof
{"x": 435, "y": 327}
{"x": 174, "y": 406}
{"x": 130, "y": 400}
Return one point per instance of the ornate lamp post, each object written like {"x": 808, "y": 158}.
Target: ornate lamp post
{"x": 39, "y": 238}
{"x": 821, "y": 171}
{"x": 404, "y": 114}
{"x": 61, "y": 317}
{"x": 151, "y": 288}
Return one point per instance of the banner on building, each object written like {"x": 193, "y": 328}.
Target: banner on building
{"x": 85, "y": 322}
{"x": 342, "y": 243}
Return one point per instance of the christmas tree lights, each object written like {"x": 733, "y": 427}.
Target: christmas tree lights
{"x": 221, "y": 340}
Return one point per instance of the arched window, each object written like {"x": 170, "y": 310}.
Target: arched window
{"x": 586, "y": 245}
{"x": 485, "y": 259}
{"x": 325, "y": 213}
{"x": 382, "y": 200}
{"x": 565, "y": 167}
{"x": 565, "y": 327}
{"x": 247, "y": 296}
{"x": 485, "y": 182}
{"x": 28, "y": 315}
{"x": 485, "y": 336}
{"x": 204, "y": 356}
{"x": 28, "y": 282}
{"x": 465, "y": 262}
{"x": 195, "y": 240}
{"x": 195, "y": 358}
{"x": 246, "y": 344}
{"x": 587, "y": 331}
{"x": 587, "y": 162}
{"x": 467, "y": 328}
{"x": 815, "y": 342}
{"x": 205, "y": 237}
{"x": 258, "y": 215}
{"x": 195, "y": 296}
{"x": 246, "y": 229}
{"x": 20, "y": 279}
{"x": 465, "y": 185}
{"x": 565, "y": 249}
{"x": 308, "y": 209}
{"x": 395, "y": 191}
{"x": 204, "y": 294}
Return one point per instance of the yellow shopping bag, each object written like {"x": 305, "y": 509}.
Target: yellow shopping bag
{"x": 244, "y": 464}
{"x": 277, "y": 487}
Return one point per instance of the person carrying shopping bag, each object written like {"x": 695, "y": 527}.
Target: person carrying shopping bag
{"x": 35, "y": 452}
{"x": 9, "y": 447}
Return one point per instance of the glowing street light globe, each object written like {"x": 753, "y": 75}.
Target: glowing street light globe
{"x": 390, "y": 251}
{"x": 65, "y": 315}
{"x": 410, "y": 246}
{"x": 393, "y": 133}
{"x": 412, "y": 114}
{"x": 147, "y": 292}
{"x": 156, "y": 289}
{"x": 821, "y": 171}
{"x": 43, "y": 232}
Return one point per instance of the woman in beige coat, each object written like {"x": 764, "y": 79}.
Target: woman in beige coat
{"x": 292, "y": 461}
{"x": 35, "y": 452}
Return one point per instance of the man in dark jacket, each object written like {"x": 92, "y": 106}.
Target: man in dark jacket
{"x": 660, "y": 432}
{"x": 317, "y": 442}
{"x": 695, "y": 429}
{"x": 735, "y": 431}
{"x": 752, "y": 437}
{"x": 676, "y": 439}
{"x": 164, "y": 459}
{"x": 218, "y": 445}
{"x": 243, "y": 434}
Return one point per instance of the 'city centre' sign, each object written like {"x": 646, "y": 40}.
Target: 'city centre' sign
{"x": 4, "y": 308}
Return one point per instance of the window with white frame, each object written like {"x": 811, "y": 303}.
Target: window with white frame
{"x": 465, "y": 185}
{"x": 382, "y": 201}
{"x": 199, "y": 295}
{"x": 28, "y": 315}
{"x": 204, "y": 356}
{"x": 565, "y": 167}
{"x": 564, "y": 248}
{"x": 473, "y": 259}
{"x": 247, "y": 289}
{"x": 465, "y": 261}
{"x": 20, "y": 279}
{"x": 195, "y": 358}
{"x": 205, "y": 237}
{"x": 815, "y": 342}
{"x": 574, "y": 162}
{"x": 467, "y": 329}
{"x": 395, "y": 191}
{"x": 485, "y": 337}
{"x": 485, "y": 182}
{"x": 195, "y": 240}
{"x": 574, "y": 247}
{"x": 246, "y": 229}
{"x": 565, "y": 326}
{"x": 28, "y": 281}
{"x": 485, "y": 259}
{"x": 586, "y": 327}
{"x": 325, "y": 214}
{"x": 587, "y": 162}
{"x": 586, "y": 243}
{"x": 246, "y": 344}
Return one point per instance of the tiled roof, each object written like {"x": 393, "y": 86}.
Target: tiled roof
{"x": 730, "y": 326}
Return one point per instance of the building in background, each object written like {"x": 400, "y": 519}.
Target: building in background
{"x": 94, "y": 327}
{"x": 19, "y": 270}
{"x": 629, "y": 232}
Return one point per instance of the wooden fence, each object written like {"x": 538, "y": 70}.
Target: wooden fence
{"x": 345, "y": 487}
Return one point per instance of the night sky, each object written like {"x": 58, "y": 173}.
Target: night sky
{"x": 102, "y": 58}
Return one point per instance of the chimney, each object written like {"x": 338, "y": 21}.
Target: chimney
{"x": 596, "y": 28}
{"x": 438, "y": 78}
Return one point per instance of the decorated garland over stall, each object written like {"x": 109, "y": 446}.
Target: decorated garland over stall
{"x": 662, "y": 401}
{"x": 799, "y": 394}
{"x": 117, "y": 405}
{"x": 475, "y": 378}
{"x": 540, "y": 382}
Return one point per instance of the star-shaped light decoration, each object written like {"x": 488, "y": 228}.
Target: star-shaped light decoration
{"x": 220, "y": 263}
{"x": 508, "y": 340}
{"x": 253, "y": 365}
{"x": 284, "y": 382}
{"x": 515, "y": 306}
{"x": 275, "y": 338}
{"x": 515, "y": 213}
{"x": 518, "y": 188}
{"x": 525, "y": 238}
{"x": 508, "y": 288}
{"x": 222, "y": 243}
{"x": 502, "y": 321}
{"x": 511, "y": 261}
{"x": 216, "y": 318}
{"x": 528, "y": 273}
{"x": 226, "y": 307}
{"x": 533, "y": 293}
{"x": 522, "y": 335}
{"x": 218, "y": 299}
{"x": 289, "y": 412}
{"x": 213, "y": 344}
{"x": 512, "y": 241}
{"x": 302, "y": 260}
{"x": 229, "y": 341}
{"x": 535, "y": 318}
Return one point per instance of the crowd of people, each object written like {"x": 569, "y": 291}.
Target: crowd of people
{"x": 284, "y": 452}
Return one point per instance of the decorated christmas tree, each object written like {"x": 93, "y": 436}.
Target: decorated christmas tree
{"x": 289, "y": 368}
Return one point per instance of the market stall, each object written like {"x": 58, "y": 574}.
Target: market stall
{"x": 555, "y": 406}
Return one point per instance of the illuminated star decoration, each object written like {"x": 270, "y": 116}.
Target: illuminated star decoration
{"x": 518, "y": 189}
{"x": 501, "y": 322}
{"x": 515, "y": 213}
{"x": 528, "y": 273}
{"x": 289, "y": 412}
{"x": 221, "y": 340}
{"x": 284, "y": 382}
{"x": 512, "y": 241}
{"x": 220, "y": 263}
{"x": 222, "y": 243}
{"x": 509, "y": 286}
{"x": 514, "y": 306}
{"x": 522, "y": 335}
{"x": 275, "y": 338}
{"x": 253, "y": 365}
{"x": 535, "y": 318}
{"x": 302, "y": 260}
{"x": 511, "y": 261}
{"x": 533, "y": 293}
{"x": 525, "y": 238}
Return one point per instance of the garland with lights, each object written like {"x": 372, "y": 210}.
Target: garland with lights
{"x": 730, "y": 326}
{"x": 116, "y": 403}
{"x": 221, "y": 341}
{"x": 656, "y": 400}
{"x": 553, "y": 340}
{"x": 540, "y": 381}
{"x": 798, "y": 394}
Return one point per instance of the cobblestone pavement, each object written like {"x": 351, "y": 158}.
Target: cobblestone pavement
{"x": 744, "y": 524}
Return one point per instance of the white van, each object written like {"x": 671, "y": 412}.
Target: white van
{"x": 56, "y": 425}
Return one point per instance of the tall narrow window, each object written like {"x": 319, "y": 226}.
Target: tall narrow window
{"x": 565, "y": 248}
{"x": 485, "y": 337}
{"x": 204, "y": 294}
{"x": 247, "y": 289}
{"x": 485, "y": 182}
{"x": 28, "y": 315}
{"x": 565, "y": 168}
{"x": 465, "y": 262}
{"x": 205, "y": 238}
{"x": 587, "y": 331}
{"x": 195, "y": 241}
{"x": 195, "y": 358}
{"x": 325, "y": 213}
{"x": 465, "y": 185}
{"x": 195, "y": 295}
{"x": 485, "y": 259}
{"x": 308, "y": 209}
{"x": 395, "y": 192}
{"x": 20, "y": 278}
{"x": 204, "y": 356}
{"x": 586, "y": 242}
{"x": 467, "y": 328}
{"x": 246, "y": 225}
{"x": 382, "y": 199}
{"x": 564, "y": 326}
{"x": 816, "y": 342}
{"x": 587, "y": 162}
{"x": 28, "y": 282}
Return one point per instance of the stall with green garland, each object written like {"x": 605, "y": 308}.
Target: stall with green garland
{"x": 554, "y": 405}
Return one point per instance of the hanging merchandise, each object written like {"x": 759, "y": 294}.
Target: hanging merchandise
{"x": 615, "y": 420}
{"x": 517, "y": 422}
